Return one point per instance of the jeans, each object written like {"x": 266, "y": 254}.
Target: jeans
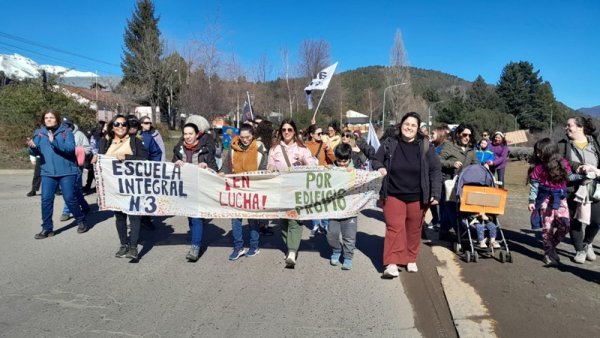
{"x": 500, "y": 175}
{"x": 79, "y": 194}
{"x": 448, "y": 219}
{"x": 121, "y": 224}
{"x": 347, "y": 228}
{"x": 323, "y": 223}
{"x": 67, "y": 185}
{"x": 481, "y": 230}
{"x": 196, "y": 228}
{"x": 236, "y": 229}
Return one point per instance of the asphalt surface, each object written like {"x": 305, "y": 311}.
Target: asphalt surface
{"x": 72, "y": 285}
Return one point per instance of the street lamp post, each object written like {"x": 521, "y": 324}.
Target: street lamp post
{"x": 384, "y": 91}
{"x": 429, "y": 115}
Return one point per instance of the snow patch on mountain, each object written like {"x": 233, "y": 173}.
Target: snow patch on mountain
{"x": 19, "y": 67}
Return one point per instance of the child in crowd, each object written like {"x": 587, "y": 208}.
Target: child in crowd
{"x": 548, "y": 195}
{"x": 484, "y": 154}
{"x": 346, "y": 226}
{"x": 481, "y": 222}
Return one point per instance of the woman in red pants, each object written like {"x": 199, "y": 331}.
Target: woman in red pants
{"x": 411, "y": 184}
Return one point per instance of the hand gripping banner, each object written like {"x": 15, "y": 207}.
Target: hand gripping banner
{"x": 161, "y": 188}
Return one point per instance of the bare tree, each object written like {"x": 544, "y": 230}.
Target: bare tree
{"x": 286, "y": 74}
{"x": 313, "y": 56}
{"x": 263, "y": 69}
{"x": 400, "y": 98}
{"x": 208, "y": 55}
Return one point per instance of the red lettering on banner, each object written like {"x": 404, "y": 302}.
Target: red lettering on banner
{"x": 245, "y": 201}
{"x": 241, "y": 182}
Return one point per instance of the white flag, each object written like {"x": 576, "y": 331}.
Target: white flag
{"x": 321, "y": 81}
{"x": 372, "y": 137}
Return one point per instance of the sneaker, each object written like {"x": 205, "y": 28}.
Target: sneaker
{"x": 252, "y": 252}
{"x": 81, "y": 228}
{"x": 65, "y": 217}
{"x": 123, "y": 249}
{"x": 193, "y": 254}
{"x": 554, "y": 255}
{"x": 237, "y": 253}
{"x": 494, "y": 244}
{"x": 44, "y": 234}
{"x": 347, "y": 264}
{"x": 589, "y": 252}
{"x": 335, "y": 259}
{"x": 391, "y": 271}
{"x": 132, "y": 253}
{"x": 31, "y": 193}
{"x": 290, "y": 260}
{"x": 482, "y": 244}
{"x": 412, "y": 267}
{"x": 549, "y": 260}
{"x": 428, "y": 226}
{"x": 580, "y": 257}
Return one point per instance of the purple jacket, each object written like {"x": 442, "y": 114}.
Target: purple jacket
{"x": 500, "y": 155}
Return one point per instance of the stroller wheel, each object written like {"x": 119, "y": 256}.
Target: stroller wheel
{"x": 509, "y": 258}
{"x": 468, "y": 256}
{"x": 502, "y": 256}
{"x": 476, "y": 257}
{"x": 456, "y": 247}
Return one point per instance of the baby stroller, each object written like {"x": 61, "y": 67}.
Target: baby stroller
{"x": 476, "y": 192}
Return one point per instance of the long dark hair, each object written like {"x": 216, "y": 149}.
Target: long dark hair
{"x": 264, "y": 132}
{"x": 585, "y": 123}
{"x": 336, "y": 126}
{"x": 545, "y": 152}
{"x": 297, "y": 136}
{"x": 311, "y": 130}
{"x": 111, "y": 133}
{"x": 461, "y": 127}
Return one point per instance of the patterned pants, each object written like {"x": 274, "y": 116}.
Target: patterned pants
{"x": 556, "y": 224}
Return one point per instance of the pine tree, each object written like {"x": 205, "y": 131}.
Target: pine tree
{"x": 478, "y": 95}
{"x": 141, "y": 62}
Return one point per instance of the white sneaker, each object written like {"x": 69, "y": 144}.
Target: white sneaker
{"x": 580, "y": 257}
{"x": 391, "y": 271}
{"x": 494, "y": 244}
{"x": 589, "y": 252}
{"x": 482, "y": 244}
{"x": 290, "y": 260}
{"x": 412, "y": 267}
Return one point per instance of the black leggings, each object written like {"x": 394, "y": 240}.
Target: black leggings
{"x": 580, "y": 236}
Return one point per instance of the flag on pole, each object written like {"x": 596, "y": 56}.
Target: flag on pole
{"x": 246, "y": 113}
{"x": 372, "y": 137}
{"x": 320, "y": 82}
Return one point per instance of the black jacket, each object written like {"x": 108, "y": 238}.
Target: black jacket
{"x": 431, "y": 173}
{"x": 140, "y": 152}
{"x": 205, "y": 152}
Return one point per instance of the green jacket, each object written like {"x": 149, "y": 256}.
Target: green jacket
{"x": 451, "y": 152}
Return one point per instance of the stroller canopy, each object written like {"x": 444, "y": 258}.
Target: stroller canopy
{"x": 475, "y": 174}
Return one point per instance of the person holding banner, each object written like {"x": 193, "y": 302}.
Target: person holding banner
{"x": 196, "y": 148}
{"x": 119, "y": 144}
{"x": 289, "y": 151}
{"x": 54, "y": 143}
{"x": 411, "y": 184}
{"x": 246, "y": 154}
{"x": 323, "y": 154}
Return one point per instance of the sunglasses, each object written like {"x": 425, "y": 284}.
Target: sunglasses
{"x": 347, "y": 135}
{"x": 287, "y": 130}
{"x": 485, "y": 134}
{"x": 465, "y": 135}
{"x": 119, "y": 124}
{"x": 146, "y": 122}
{"x": 319, "y": 134}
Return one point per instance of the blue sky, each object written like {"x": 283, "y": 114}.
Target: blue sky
{"x": 463, "y": 38}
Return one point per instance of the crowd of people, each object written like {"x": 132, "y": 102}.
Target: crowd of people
{"x": 414, "y": 166}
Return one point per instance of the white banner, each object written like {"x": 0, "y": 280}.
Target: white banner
{"x": 321, "y": 81}
{"x": 160, "y": 188}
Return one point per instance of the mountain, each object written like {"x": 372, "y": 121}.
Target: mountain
{"x": 593, "y": 111}
{"x": 18, "y": 67}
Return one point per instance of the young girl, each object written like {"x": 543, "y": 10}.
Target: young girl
{"x": 548, "y": 195}
{"x": 484, "y": 154}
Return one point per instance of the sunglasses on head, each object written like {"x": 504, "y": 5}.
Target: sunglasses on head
{"x": 289, "y": 130}
{"x": 119, "y": 124}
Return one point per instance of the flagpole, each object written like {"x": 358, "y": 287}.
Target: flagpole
{"x": 318, "y": 104}
{"x": 250, "y": 105}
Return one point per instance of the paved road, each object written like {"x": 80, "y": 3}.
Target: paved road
{"x": 71, "y": 284}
